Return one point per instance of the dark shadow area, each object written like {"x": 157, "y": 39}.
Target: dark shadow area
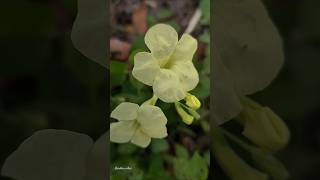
{"x": 45, "y": 82}
{"x": 295, "y": 92}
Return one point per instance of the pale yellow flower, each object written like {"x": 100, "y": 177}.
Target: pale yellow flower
{"x": 168, "y": 68}
{"x": 137, "y": 124}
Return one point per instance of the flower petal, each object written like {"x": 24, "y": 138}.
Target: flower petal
{"x": 226, "y": 100}
{"x": 152, "y": 121}
{"x": 125, "y": 111}
{"x": 161, "y": 39}
{"x": 254, "y": 52}
{"x": 123, "y": 131}
{"x": 187, "y": 74}
{"x": 141, "y": 139}
{"x": 185, "y": 49}
{"x": 145, "y": 68}
{"x": 168, "y": 87}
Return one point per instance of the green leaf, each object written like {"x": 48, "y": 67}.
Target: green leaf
{"x": 205, "y": 37}
{"x": 181, "y": 152}
{"x": 174, "y": 24}
{"x": 90, "y": 29}
{"x": 156, "y": 170}
{"x": 164, "y": 13}
{"x": 151, "y": 20}
{"x": 53, "y": 153}
{"x": 159, "y": 145}
{"x": 126, "y": 149}
{"x": 180, "y": 166}
{"x": 191, "y": 169}
{"x": 95, "y": 162}
{"x": 118, "y": 67}
{"x": 118, "y": 73}
{"x": 138, "y": 43}
{"x": 137, "y": 174}
{"x": 135, "y": 83}
{"x": 203, "y": 89}
{"x": 199, "y": 167}
{"x": 205, "y": 8}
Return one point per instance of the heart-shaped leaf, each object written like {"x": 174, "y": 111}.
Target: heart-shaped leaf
{"x": 90, "y": 30}
{"x": 50, "y": 155}
{"x": 59, "y": 155}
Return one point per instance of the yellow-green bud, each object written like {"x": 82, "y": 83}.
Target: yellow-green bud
{"x": 263, "y": 127}
{"x": 186, "y": 118}
{"x": 192, "y": 101}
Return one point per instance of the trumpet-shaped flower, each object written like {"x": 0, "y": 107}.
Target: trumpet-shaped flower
{"x": 137, "y": 124}
{"x": 168, "y": 68}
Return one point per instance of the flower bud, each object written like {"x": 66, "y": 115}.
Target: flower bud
{"x": 186, "y": 118}
{"x": 263, "y": 127}
{"x": 192, "y": 101}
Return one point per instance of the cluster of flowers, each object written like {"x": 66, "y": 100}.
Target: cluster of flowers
{"x": 169, "y": 70}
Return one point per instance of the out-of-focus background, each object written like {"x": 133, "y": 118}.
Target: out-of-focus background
{"x": 295, "y": 93}
{"x": 44, "y": 81}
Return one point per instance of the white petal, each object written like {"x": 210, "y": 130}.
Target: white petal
{"x": 185, "y": 49}
{"x": 168, "y": 87}
{"x": 141, "y": 139}
{"x": 123, "y": 131}
{"x": 125, "y": 111}
{"x": 161, "y": 39}
{"x": 145, "y": 68}
{"x": 187, "y": 74}
{"x": 152, "y": 121}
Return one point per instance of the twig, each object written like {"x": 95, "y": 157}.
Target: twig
{"x": 193, "y": 21}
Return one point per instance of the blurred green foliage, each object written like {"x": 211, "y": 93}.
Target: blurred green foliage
{"x": 205, "y": 9}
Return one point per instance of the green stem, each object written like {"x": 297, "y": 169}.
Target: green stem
{"x": 237, "y": 140}
{"x": 190, "y": 111}
{"x": 152, "y": 101}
